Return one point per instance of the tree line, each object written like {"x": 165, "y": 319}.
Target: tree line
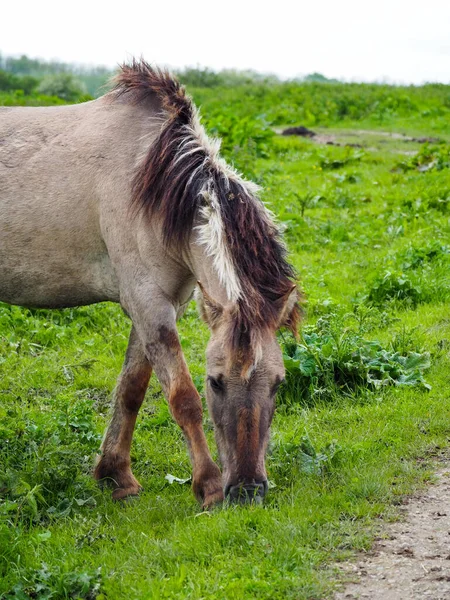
{"x": 73, "y": 82}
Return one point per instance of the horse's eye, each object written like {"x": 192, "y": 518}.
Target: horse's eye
{"x": 216, "y": 384}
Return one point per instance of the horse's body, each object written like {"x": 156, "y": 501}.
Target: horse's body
{"x": 94, "y": 206}
{"x": 62, "y": 196}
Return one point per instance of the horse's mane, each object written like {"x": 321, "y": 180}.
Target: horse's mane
{"x": 184, "y": 182}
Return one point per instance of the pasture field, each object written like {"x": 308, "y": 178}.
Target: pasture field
{"x": 363, "y": 415}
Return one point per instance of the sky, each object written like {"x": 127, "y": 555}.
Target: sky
{"x": 401, "y": 41}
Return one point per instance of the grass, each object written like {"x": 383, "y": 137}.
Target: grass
{"x": 368, "y": 231}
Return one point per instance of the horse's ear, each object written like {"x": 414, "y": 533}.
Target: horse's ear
{"x": 287, "y": 304}
{"x": 210, "y": 310}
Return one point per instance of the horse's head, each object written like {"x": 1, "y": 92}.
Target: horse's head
{"x": 240, "y": 391}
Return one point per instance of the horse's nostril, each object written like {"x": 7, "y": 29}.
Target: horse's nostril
{"x": 247, "y": 493}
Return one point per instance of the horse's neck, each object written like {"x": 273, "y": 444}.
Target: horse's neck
{"x": 205, "y": 271}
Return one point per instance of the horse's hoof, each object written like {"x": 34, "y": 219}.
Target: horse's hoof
{"x": 213, "y": 499}
{"x": 207, "y": 485}
{"x": 112, "y": 473}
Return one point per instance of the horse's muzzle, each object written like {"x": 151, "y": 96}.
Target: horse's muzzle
{"x": 247, "y": 493}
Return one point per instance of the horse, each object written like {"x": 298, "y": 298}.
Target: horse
{"x": 126, "y": 199}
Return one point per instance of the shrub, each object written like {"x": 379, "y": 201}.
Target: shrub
{"x": 62, "y": 85}
{"x": 10, "y": 82}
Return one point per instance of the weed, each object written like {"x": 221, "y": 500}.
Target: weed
{"x": 333, "y": 360}
{"x": 348, "y": 156}
{"x": 41, "y": 479}
{"x": 368, "y": 317}
{"x": 430, "y": 158}
{"x": 46, "y": 583}
{"x": 308, "y": 200}
{"x": 395, "y": 286}
{"x": 298, "y": 456}
{"x": 417, "y": 256}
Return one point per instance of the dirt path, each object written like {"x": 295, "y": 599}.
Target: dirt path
{"x": 412, "y": 561}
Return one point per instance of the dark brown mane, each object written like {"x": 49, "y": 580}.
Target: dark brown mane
{"x": 170, "y": 183}
{"x": 141, "y": 81}
{"x": 160, "y": 185}
{"x": 259, "y": 257}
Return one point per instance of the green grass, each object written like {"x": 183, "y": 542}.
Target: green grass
{"x": 18, "y": 98}
{"x": 370, "y": 241}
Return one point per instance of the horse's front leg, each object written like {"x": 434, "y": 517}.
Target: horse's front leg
{"x": 186, "y": 407}
{"x": 159, "y": 336}
{"x": 167, "y": 358}
{"x": 114, "y": 465}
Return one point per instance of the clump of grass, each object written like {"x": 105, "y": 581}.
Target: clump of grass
{"x": 429, "y": 158}
{"x": 45, "y": 583}
{"x": 44, "y": 464}
{"x": 299, "y": 455}
{"x": 418, "y": 275}
{"x": 332, "y": 360}
{"x": 349, "y": 156}
{"x": 434, "y": 196}
{"x": 418, "y": 256}
{"x": 394, "y": 285}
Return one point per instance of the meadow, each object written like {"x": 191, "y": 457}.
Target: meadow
{"x": 360, "y": 423}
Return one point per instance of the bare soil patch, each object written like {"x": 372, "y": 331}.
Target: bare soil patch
{"x": 360, "y": 138}
{"x": 411, "y": 560}
{"x": 318, "y": 138}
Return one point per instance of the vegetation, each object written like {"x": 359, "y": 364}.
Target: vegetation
{"x": 362, "y": 414}
{"x": 28, "y": 90}
{"x": 62, "y": 85}
{"x": 91, "y": 78}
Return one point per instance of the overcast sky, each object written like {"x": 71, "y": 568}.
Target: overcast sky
{"x": 404, "y": 41}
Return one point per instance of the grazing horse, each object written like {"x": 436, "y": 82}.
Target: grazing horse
{"x": 126, "y": 199}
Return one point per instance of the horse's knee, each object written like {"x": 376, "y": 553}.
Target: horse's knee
{"x": 132, "y": 388}
{"x": 186, "y": 406}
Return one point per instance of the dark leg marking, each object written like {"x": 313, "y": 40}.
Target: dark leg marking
{"x": 114, "y": 465}
{"x": 186, "y": 407}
